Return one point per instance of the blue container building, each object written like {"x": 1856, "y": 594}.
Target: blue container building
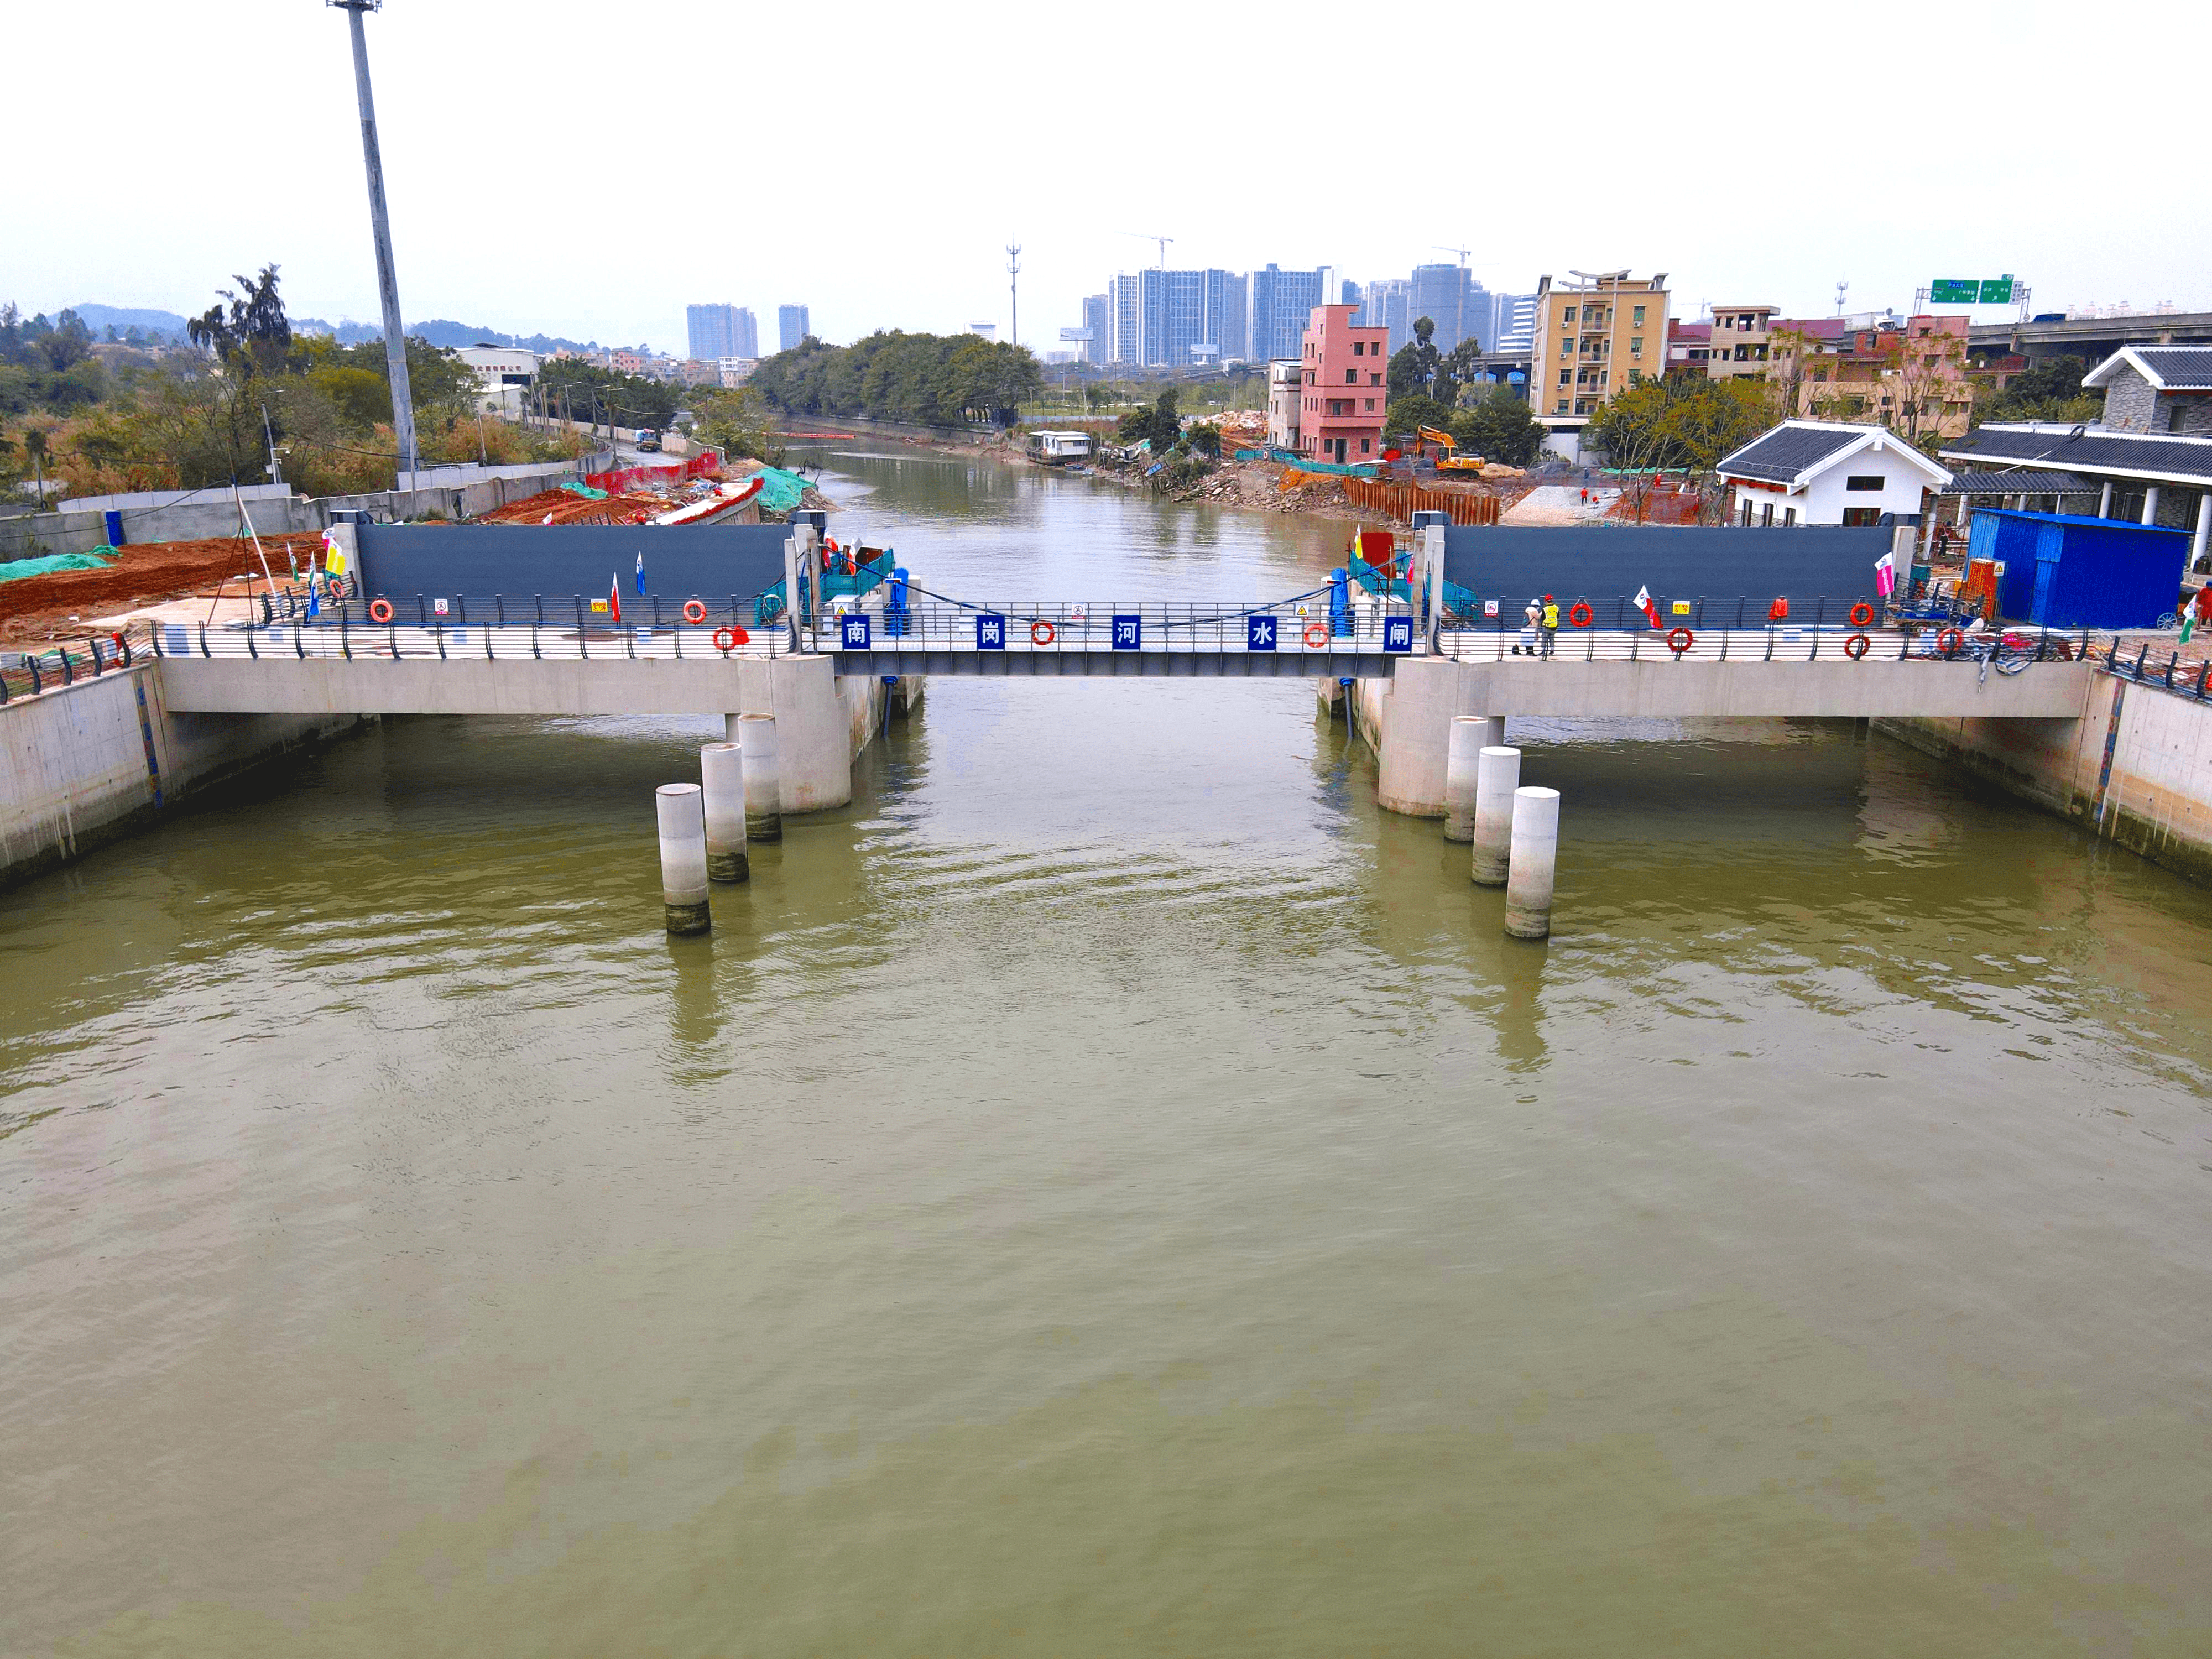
{"x": 2062, "y": 570}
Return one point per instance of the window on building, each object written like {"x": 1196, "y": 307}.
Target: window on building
{"x": 1639, "y": 316}
{"x": 1374, "y": 379}
{"x": 1862, "y": 515}
{"x": 1370, "y": 405}
{"x": 1865, "y": 481}
{"x": 1767, "y": 516}
{"x": 1636, "y": 345}
{"x": 1351, "y": 377}
{"x": 2176, "y": 418}
{"x": 1565, "y": 377}
{"x": 1366, "y": 445}
{"x": 1746, "y": 519}
{"x": 1561, "y": 407}
{"x": 1359, "y": 347}
{"x": 1568, "y": 314}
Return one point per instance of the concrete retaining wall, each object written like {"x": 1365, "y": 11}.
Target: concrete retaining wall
{"x": 2157, "y": 798}
{"x": 1406, "y": 719}
{"x": 34, "y": 535}
{"x": 75, "y": 771}
{"x": 822, "y": 720}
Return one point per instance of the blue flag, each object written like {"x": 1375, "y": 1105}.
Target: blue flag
{"x": 640, "y": 571}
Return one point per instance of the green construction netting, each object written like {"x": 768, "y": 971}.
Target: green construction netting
{"x": 782, "y": 491}
{"x": 20, "y": 569}
{"x": 585, "y": 491}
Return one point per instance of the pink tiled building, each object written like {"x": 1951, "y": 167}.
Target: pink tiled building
{"x": 1346, "y": 387}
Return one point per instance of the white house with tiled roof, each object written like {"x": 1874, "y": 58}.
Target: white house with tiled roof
{"x": 1828, "y": 472}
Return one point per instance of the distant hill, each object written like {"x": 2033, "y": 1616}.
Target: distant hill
{"x": 438, "y": 330}
{"x": 99, "y": 319}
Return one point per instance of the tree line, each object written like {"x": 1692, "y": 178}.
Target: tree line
{"x": 249, "y": 384}
{"x": 932, "y": 380}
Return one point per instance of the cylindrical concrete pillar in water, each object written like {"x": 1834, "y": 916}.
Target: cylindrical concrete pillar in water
{"x": 722, "y": 779}
{"x": 682, "y": 857}
{"x": 731, "y": 731}
{"x": 763, "y": 779}
{"x": 1536, "y": 854}
{"x": 1497, "y": 776}
{"x": 1469, "y": 737}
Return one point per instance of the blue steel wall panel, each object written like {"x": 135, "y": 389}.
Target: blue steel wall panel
{"x": 1607, "y": 563}
{"x": 478, "y": 561}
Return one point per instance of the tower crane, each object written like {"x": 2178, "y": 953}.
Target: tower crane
{"x": 1149, "y": 236}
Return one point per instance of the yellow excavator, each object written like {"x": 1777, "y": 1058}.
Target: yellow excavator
{"x": 1449, "y": 460}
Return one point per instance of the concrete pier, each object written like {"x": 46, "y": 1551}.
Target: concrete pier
{"x": 682, "y": 857}
{"x": 1470, "y": 735}
{"x": 763, "y": 773}
{"x": 1535, "y": 857}
{"x": 1497, "y": 775}
{"x": 722, "y": 786}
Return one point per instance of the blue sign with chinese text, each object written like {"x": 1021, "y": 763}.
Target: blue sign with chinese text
{"x": 1397, "y": 633}
{"x": 1128, "y": 632}
{"x": 856, "y": 631}
{"x": 990, "y": 631}
{"x": 1259, "y": 632}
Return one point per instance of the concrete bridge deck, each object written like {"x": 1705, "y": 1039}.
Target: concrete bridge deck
{"x": 522, "y": 669}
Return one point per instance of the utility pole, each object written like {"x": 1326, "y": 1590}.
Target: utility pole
{"x": 275, "y": 477}
{"x": 387, "y": 277}
{"x": 1013, "y": 292}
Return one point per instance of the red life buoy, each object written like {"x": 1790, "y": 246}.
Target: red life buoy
{"x": 1680, "y": 640}
{"x": 1858, "y": 645}
{"x": 379, "y": 610}
{"x": 1041, "y": 633}
{"x": 1779, "y": 610}
{"x": 1955, "y": 638}
{"x": 1581, "y": 616}
{"x": 1862, "y": 615}
{"x": 693, "y": 612}
{"x": 1315, "y": 636}
{"x": 727, "y": 639}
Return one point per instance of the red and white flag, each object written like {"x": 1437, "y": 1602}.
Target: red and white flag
{"x": 614, "y": 595}
{"x": 1648, "y": 606}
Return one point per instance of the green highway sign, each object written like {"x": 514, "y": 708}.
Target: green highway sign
{"x": 1998, "y": 292}
{"x": 1957, "y": 292}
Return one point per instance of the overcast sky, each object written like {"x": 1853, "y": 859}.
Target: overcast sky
{"x": 587, "y": 170}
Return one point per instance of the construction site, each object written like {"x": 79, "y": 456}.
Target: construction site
{"x": 57, "y": 599}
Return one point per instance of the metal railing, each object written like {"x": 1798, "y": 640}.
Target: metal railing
{"x": 1300, "y": 623}
{"x": 33, "y": 673}
{"x": 1770, "y": 643}
{"x": 293, "y": 608}
{"x": 300, "y": 639}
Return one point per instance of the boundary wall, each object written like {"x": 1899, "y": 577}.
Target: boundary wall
{"x": 34, "y": 534}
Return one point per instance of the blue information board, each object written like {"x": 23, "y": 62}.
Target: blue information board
{"x": 990, "y": 631}
{"x": 1397, "y": 633}
{"x": 1128, "y": 632}
{"x": 1259, "y": 632}
{"x": 856, "y": 630}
